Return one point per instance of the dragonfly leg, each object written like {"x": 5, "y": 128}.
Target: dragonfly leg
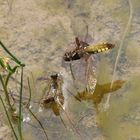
{"x": 90, "y": 76}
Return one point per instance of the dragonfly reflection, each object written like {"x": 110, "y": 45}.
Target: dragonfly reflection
{"x": 100, "y": 91}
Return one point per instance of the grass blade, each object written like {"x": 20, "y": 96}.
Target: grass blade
{"x": 35, "y": 117}
{"x": 39, "y": 123}
{"x": 13, "y": 57}
{"x": 6, "y": 112}
{"x": 6, "y": 92}
{"x": 20, "y": 106}
{"x": 30, "y": 95}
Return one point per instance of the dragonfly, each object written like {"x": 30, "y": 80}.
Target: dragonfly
{"x": 83, "y": 49}
{"x": 86, "y": 69}
{"x": 53, "y": 97}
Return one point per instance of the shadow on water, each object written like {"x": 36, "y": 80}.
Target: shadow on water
{"x": 121, "y": 120}
{"x": 100, "y": 91}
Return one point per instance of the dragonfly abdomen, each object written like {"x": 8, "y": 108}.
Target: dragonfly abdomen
{"x": 92, "y": 49}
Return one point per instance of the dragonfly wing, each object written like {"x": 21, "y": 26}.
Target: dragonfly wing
{"x": 83, "y": 44}
{"x": 77, "y": 42}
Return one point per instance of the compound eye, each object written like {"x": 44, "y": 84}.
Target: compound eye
{"x": 66, "y": 57}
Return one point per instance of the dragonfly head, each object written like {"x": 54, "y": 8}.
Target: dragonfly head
{"x": 54, "y": 76}
{"x": 73, "y": 55}
{"x": 109, "y": 45}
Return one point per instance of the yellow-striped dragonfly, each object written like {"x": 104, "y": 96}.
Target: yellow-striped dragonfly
{"x": 82, "y": 49}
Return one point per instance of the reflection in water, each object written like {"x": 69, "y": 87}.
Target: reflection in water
{"x": 100, "y": 91}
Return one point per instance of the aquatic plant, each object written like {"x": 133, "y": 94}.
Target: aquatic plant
{"x": 8, "y": 117}
{"x": 9, "y": 71}
{"x": 6, "y": 72}
{"x": 27, "y": 106}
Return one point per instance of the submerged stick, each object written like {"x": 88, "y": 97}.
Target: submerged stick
{"x": 122, "y": 41}
{"x": 28, "y": 107}
{"x": 73, "y": 127}
{"x": 39, "y": 123}
{"x": 30, "y": 93}
{"x": 120, "y": 48}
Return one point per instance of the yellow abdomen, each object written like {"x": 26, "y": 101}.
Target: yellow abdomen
{"x": 97, "y": 48}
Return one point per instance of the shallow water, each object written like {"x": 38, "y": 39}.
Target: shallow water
{"x": 40, "y": 31}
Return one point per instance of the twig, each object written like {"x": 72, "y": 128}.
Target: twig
{"x": 120, "y": 48}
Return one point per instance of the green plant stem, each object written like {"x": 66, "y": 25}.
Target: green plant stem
{"x": 73, "y": 127}
{"x": 13, "y": 57}
{"x": 39, "y": 123}
{"x": 120, "y": 48}
{"x": 6, "y": 93}
{"x": 8, "y": 118}
{"x": 20, "y": 106}
{"x": 30, "y": 93}
{"x": 7, "y": 78}
{"x": 28, "y": 103}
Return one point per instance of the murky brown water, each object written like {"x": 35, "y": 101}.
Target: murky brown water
{"x": 39, "y": 32}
